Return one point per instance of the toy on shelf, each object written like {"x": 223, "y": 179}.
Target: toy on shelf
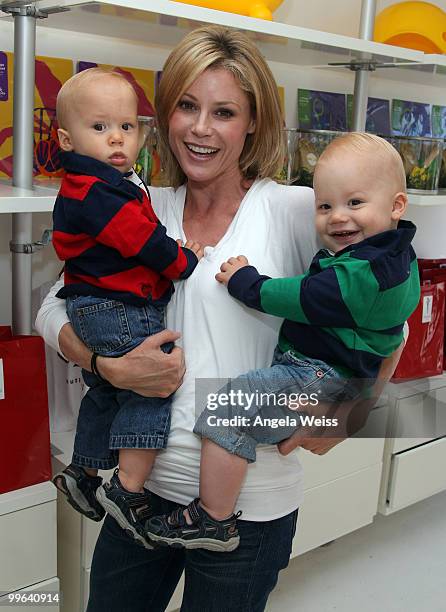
{"x": 414, "y": 25}
{"x": 260, "y": 9}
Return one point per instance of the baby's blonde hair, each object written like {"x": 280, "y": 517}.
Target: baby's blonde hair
{"x": 370, "y": 144}
{"x": 68, "y": 91}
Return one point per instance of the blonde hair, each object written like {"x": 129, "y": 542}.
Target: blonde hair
{"x": 365, "y": 143}
{"x": 212, "y": 47}
{"x": 69, "y": 90}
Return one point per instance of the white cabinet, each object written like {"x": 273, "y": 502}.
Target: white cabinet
{"x": 341, "y": 488}
{"x": 415, "y": 450}
{"x": 28, "y": 552}
{"x": 36, "y": 595}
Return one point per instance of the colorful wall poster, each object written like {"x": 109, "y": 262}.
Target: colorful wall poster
{"x": 439, "y": 121}
{"x": 51, "y": 73}
{"x": 378, "y": 115}
{"x": 143, "y": 82}
{"x": 321, "y": 110}
{"x": 411, "y": 118}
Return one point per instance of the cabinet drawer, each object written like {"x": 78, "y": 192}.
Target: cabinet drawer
{"x": 28, "y": 546}
{"x": 334, "y": 509}
{"x": 47, "y": 587}
{"x": 348, "y": 457}
{"x": 416, "y": 474}
{"x": 421, "y": 416}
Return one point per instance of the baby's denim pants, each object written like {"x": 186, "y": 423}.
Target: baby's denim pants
{"x": 258, "y": 410}
{"x": 111, "y": 418}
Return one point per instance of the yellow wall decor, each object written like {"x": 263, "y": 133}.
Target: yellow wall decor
{"x": 261, "y": 9}
{"x": 51, "y": 73}
{"x": 414, "y": 25}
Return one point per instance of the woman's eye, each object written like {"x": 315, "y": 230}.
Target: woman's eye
{"x": 99, "y": 127}
{"x": 225, "y": 112}
{"x": 186, "y": 105}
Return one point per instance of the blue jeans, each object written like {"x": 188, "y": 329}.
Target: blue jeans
{"x": 269, "y": 420}
{"x": 110, "y": 418}
{"x": 128, "y": 578}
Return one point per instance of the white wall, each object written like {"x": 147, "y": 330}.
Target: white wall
{"x": 340, "y": 16}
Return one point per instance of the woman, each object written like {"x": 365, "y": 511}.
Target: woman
{"x": 220, "y": 128}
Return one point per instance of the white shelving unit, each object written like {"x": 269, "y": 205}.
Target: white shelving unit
{"x": 415, "y": 449}
{"x": 418, "y": 199}
{"x": 18, "y": 200}
{"x": 165, "y": 23}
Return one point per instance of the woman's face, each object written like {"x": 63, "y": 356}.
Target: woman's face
{"x": 208, "y": 128}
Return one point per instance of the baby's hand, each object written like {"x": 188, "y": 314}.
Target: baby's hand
{"x": 230, "y": 267}
{"x": 193, "y": 246}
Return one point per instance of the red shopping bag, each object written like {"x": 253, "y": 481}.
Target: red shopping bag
{"x": 25, "y": 457}
{"x": 434, "y": 270}
{"x": 423, "y": 353}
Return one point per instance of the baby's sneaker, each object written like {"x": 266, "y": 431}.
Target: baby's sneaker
{"x": 80, "y": 491}
{"x": 130, "y": 510}
{"x": 204, "y": 532}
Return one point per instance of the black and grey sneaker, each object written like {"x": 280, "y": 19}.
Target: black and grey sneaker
{"x": 205, "y": 532}
{"x": 80, "y": 491}
{"x": 130, "y": 510}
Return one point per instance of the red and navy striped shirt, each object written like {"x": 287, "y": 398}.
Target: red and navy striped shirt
{"x": 110, "y": 238}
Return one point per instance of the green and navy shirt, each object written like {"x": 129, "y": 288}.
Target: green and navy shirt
{"x": 349, "y": 309}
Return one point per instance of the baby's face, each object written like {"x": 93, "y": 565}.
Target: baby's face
{"x": 355, "y": 198}
{"x": 104, "y": 123}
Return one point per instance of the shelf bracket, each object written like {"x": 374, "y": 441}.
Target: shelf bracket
{"x": 32, "y": 247}
{"x": 29, "y": 10}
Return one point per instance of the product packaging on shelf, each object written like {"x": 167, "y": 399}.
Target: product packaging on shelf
{"x": 422, "y": 162}
{"x": 423, "y": 353}
{"x": 304, "y": 148}
{"x": 24, "y": 431}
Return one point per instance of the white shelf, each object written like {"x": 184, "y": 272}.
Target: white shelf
{"x": 18, "y": 200}
{"x": 437, "y": 61}
{"x": 164, "y": 23}
{"x": 27, "y": 497}
{"x": 41, "y": 199}
{"x": 427, "y": 200}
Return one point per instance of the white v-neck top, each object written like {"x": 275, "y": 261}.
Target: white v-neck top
{"x": 274, "y": 228}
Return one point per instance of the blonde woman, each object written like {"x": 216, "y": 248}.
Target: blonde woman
{"x": 220, "y": 126}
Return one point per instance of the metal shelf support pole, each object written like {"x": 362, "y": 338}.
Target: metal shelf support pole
{"x": 368, "y": 11}
{"x": 23, "y": 130}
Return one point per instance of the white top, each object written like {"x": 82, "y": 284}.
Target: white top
{"x": 274, "y": 228}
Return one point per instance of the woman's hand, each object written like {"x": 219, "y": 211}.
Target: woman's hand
{"x": 351, "y": 416}
{"x": 147, "y": 370}
{"x": 230, "y": 267}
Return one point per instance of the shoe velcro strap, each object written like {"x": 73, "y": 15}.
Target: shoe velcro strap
{"x": 176, "y": 518}
{"x": 194, "y": 511}
{"x": 136, "y": 501}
